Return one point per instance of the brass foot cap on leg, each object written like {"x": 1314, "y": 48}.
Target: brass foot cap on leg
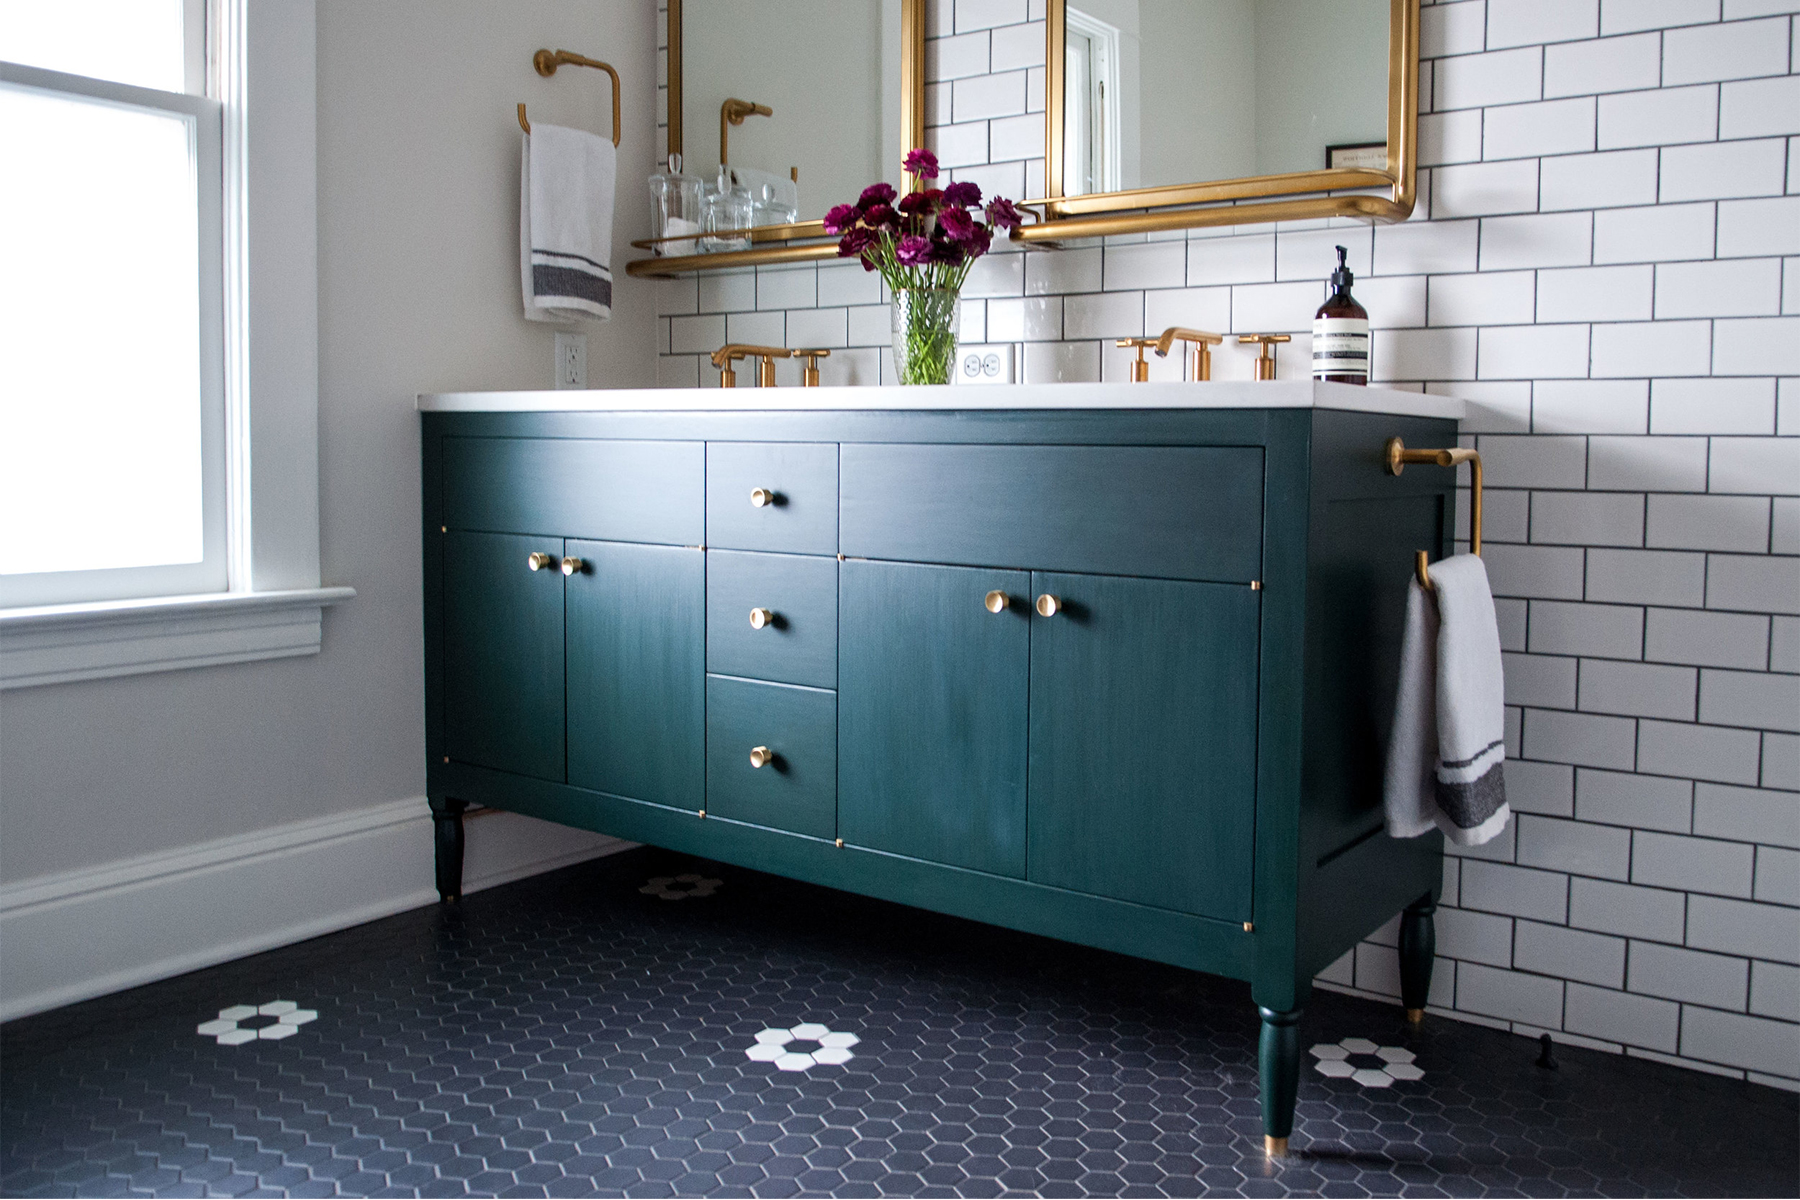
{"x": 1414, "y": 1016}
{"x": 1275, "y": 1147}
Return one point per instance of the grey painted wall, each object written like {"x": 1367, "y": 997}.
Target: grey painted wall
{"x": 418, "y": 291}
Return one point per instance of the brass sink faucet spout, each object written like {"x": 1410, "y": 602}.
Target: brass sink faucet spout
{"x": 1202, "y": 341}
{"x": 731, "y": 352}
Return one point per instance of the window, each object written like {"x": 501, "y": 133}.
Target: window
{"x": 112, "y": 409}
{"x": 158, "y": 337}
{"x": 1091, "y": 126}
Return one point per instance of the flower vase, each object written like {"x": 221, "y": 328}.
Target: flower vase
{"x": 925, "y": 327}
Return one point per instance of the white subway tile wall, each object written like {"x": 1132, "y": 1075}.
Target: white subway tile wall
{"x": 1604, "y": 263}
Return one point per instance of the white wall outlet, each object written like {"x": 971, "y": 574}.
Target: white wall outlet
{"x": 985, "y": 364}
{"x": 571, "y": 361}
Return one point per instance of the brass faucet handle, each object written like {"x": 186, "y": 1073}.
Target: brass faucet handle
{"x": 1265, "y": 360}
{"x": 809, "y": 373}
{"x": 1140, "y": 370}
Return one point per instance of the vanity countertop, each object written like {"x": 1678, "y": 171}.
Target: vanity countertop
{"x": 1299, "y": 393}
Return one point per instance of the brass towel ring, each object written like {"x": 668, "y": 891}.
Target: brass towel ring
{"x": 1396, "y": 456}
{"x": 546, "y": 62}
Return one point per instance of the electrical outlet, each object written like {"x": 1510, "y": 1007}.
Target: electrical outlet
{"x": 984, "y": 364}
{"x": 571, "y": 361}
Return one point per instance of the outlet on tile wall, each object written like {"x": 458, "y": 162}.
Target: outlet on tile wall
{"x": 1605, "y": 261}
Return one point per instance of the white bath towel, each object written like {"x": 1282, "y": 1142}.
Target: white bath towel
{"x": 1449, "y": 737}
{"x": 566, "y": 183}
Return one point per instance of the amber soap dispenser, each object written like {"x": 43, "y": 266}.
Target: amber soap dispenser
{"x": 1340, "y": 345}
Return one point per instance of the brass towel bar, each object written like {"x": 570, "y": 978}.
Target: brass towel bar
{"x": 546, "y": 62}
{"x": 1397, "y": 456}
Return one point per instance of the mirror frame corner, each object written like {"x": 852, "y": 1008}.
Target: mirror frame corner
{"x": 1285, "y": 197}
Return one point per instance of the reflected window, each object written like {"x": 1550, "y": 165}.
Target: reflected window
{"x": 1091, "y": 124}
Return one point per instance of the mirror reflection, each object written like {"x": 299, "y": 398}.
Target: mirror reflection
{"x": 797, "y": 100}
{"x": 1166, "y": 92}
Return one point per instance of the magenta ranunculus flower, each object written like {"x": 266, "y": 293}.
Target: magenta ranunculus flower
{"x": 875, "y": 193}
{"x": 956, "y": 223}
{"x": 914, "y": 202}
{"x": 921, "y": 162}
{"x": 853, "y": 243}
{"x": 880, "y": 216}
{"x": 913, "y": 251}
{"x": 841, "y": 218}
{"x": 947, "y": 251}
{"x": 962, "y": 194}
{"x": 1002, "y": 215}
{"x": 979, "y": 240}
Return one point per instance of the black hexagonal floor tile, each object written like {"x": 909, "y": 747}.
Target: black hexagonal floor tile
{"x": 574, "y": 1035}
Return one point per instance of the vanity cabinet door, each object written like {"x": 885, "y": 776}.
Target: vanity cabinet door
{"x": 636, "y": 691}
{"x": 1143, "y": 741}
{"x": 503, "y": 653}
{"x": 931, "y": 713}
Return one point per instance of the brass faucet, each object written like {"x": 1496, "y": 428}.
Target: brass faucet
{"x": 1203, "y": 344}
{"x": 1140, "y": 370}
{"x": 809, "y": 371}
{"x": 1265, "y": 359}
{"x": 730, "y": 352}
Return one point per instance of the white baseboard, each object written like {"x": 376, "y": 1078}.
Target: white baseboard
{"x": 88, "y": 932}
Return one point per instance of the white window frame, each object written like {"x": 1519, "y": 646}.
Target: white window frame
{"x": 263, "y": 71}
{"x": 202, "y": 116}
{"x": 1102, "y": 98}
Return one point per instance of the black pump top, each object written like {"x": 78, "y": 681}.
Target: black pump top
{"x": 1341, "y": 279}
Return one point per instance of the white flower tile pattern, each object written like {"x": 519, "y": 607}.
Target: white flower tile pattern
{"x": 227, "y": 1029}
{"x": 1380, "y": 1066}
{"x": 781, "y": 1047}
{"x": 681, "y": 887}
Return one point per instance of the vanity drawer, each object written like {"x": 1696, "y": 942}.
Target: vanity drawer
{"x": 798, "y": 641}
{"x": 614, "y": 491}
{"x": 799, "y": 481}
{"x": 1178, "y": 512}
{"x": 797, "y": 790}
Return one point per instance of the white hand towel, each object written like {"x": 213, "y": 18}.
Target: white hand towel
{"x": 566, "y": 183}
{"x": 1449, "y": 737}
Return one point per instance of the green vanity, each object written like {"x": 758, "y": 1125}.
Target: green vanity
{"x": 1110, "y": 663}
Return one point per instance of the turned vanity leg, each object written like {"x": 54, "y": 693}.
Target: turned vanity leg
{"x": 1278, "y": 1058}
{"x": 1418, "y": 946}
{"x": 447, "y": 826}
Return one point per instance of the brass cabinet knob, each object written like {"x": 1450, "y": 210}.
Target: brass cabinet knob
{"x": 572, "y": 565}
{"x": 1048, "y": 605}
{"x": 762, "y": 756}
{"x": 761, "y": 497}
{"x": 760, "y": 617}
{"x": 997, "y": 602}
{"x": 537, "y": 560}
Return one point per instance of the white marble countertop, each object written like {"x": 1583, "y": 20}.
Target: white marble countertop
{"x": 1299, "y": 393}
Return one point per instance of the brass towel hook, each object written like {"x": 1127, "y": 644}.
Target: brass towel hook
{"x": 546, "y": 62}
{"x": 1396, "y": 456}
{"x": 733, "y": 112}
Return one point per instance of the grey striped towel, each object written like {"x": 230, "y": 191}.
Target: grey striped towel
{"x": 567, "y": 180}
{"x": 1449, "y": 736}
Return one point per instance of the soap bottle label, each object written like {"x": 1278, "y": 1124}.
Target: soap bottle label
{"x": 1340, "y": 346}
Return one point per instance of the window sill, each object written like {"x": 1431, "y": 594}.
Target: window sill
{"x": 67, "y": 642}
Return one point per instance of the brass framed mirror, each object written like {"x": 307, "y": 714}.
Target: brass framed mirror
{"x": 1175, "y": 114}
{"x": 813, "y": 100}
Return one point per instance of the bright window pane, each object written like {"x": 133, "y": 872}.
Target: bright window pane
{"x": 126, "y": 41}
{"x": 100, "y": 404}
